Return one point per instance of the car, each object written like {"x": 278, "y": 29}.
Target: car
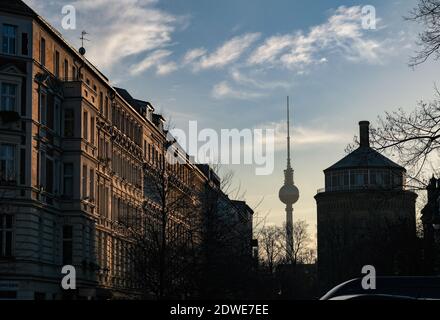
{"x": 388, "y": 288}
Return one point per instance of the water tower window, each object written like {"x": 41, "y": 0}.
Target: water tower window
{"x": 359, "y": 177}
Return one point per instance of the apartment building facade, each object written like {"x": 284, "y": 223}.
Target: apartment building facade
{"x": 75, "y": 155}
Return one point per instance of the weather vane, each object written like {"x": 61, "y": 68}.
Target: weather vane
{"x": 82, "y": 50}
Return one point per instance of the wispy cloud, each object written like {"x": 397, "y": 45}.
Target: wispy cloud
{"x": 117, "y": 29}
{"x": 252, "y": 81}
{"x": 154, "y": 59}
{"x": 193, "y": 55}
{"x": 225, "y": 90}
{"x": 166, "y": 68}
{"x": 227, "y": 53}
{"x": 271, "y": 48}
{"x": 304, "y": 136}
{"x": 342, "y": 33}
{"x": 139, "y": 35}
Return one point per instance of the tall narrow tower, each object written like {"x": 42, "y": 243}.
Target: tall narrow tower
{"x": 289, "y": 194}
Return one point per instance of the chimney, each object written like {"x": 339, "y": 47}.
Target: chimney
{"x": 364, "y": 132}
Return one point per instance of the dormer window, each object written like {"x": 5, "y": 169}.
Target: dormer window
{"x": 9, "y": 39}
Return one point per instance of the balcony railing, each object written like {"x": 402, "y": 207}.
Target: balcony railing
{"x": 351, "y": 188}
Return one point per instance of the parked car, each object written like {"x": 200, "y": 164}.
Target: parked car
{"x": 388, "y": 288}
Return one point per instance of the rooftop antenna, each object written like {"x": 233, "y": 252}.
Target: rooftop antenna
{"x": 288, "y": 132}
{"x": 82, "y": 50}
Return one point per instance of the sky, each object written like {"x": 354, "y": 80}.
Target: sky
{"x": 231, "y": 63}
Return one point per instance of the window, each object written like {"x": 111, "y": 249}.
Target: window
{"x": 57, "y": 64}
{"x": 43, "y": 51}
{"x": 68, "y": 179}
{"x": 85, "y": 125}
{"x": 74, "y": 75}
{"x": 66, "y": 70}
{"x": 92, "y": 184}
{"x": 106, "y": 108}
{"x": 7, "y": 162}
{"x": 145, "y": 149}
{"x": 67, "y": 245}
{"x": 24, "y": 44}
{"x": 92, "y": 130}
{"x": 69, "y": 122}
{"x": 43, "y": 107}
{"x": 22, "y": 166}
{"x": 56, "y": 115}
{"x": 49, "y": 175}
{"x": 101, "y": 103}
{"x": 50, "y": 112}
{"x": 359, "y": 178}
{"x": 9, "y": 39}
{"x": 8, "y": 97}
{"x": 6, "y": 235}
{"x": 84, "y": 181}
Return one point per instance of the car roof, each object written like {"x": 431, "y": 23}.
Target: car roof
{"x": 426, "y": 287}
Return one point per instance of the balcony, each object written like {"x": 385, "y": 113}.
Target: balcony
{"x": 77, "y": 88}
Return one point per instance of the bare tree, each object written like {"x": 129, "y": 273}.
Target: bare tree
{"x": 161, "y": 242}
{"x": 427, "y": 13}
{"x": 270, "y": 247}
{"x": 301, "y": 242}
{"x": 287, "y": 279}
{"x": 273, "y": 245}
{"x": 191, "y": 238}
{"x": 413, "y": 137}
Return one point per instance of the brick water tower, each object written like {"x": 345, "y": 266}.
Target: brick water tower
{"x": 365, "y": 217}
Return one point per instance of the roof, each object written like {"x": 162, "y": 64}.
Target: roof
{"x": 18, "y": 7}
{"x": 145, "y": 104}
{"x": 365, "y": 157}
{"x": 242, "y": 205}
{"x": 127, "y": 97}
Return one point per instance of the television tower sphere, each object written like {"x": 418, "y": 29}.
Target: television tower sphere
{"x": 289, "y": 194}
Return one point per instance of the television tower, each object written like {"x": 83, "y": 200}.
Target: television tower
{"x": 289, "y": 195}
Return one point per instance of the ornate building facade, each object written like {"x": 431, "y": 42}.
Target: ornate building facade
{"x": 76, "y": 157}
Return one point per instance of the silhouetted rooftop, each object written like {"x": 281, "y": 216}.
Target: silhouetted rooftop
{"x": 17, "y": 6}
{"x": 364, "y": 157}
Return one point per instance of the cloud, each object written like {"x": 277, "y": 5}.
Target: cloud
{"x": 117, "y": 29}
{"x": 303, "y": 136}
{"x": 224, "y": 90}
{"x": 193, "y": 55}
{"x": 342, "y": 33}
{"x": 252, "y": 81}
{"x": 154, "y": 59}
{"x": 226, "y": 54}
{"x": 166, "y": 68}
{"x": 270, "y": 49}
